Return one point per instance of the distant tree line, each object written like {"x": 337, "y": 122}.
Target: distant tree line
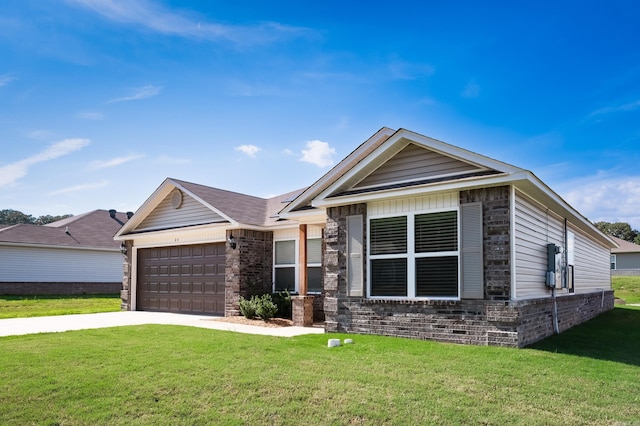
{"x": 620, "y": 230}
{"x": 15, "y": 217}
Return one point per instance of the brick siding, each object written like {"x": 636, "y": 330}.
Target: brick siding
{"x": 248, "y": 268}
{"x": 495, "y": 320}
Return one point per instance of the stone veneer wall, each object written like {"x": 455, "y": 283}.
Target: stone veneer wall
{"x": 337, "y": 304}
{"x": 248, "y": 268}
{"x": 125, "y": 292}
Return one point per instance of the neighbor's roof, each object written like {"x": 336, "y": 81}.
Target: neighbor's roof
{"x": 88, "y": 230}
{"x": 625, "y": 246}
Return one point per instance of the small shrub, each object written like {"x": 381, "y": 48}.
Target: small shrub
{"x": 266, "y": 309}
{"x": 283, "y": 302}
{"x": 247, "y": 307}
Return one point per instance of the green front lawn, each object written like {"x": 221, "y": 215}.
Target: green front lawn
{"x": 38, "y": 306}
{"x": 166, "y": 375}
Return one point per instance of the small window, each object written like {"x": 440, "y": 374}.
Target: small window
{"x": 285, "y": 274}
{"x": 613, "y": 261}
{"x": 314, "y": 265}
{"x": 285, "y": 266}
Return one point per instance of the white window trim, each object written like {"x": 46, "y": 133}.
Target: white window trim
{"x": 411, "y": 256}
{"x": 613, "y": 260}
{"x": 294, "y": 265}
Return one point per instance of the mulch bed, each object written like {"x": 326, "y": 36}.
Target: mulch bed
{"x": 274, "y": 322}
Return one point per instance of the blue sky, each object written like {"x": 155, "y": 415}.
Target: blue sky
{"x": 101, "y": 100}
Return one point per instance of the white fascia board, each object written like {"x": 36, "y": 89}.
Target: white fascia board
{"x": 434, "y": 188}
{"x": 50, "y": 246}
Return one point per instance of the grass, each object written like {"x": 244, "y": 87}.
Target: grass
{"x": 166, "y": 375}
{"x": 627, "y": 288}
{"x": 37, "y": 306}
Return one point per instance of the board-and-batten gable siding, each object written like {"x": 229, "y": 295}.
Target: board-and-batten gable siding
{"x": 191, "y": 212}
{"x": 449, "y": 200}
{"x": 591, "y": 270}
{"x": 33, "y": 264}
{"x": 534, "y": 227}
{"x": 413, "y": 163}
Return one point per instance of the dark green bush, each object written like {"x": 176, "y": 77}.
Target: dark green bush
{"x": 283, "y": 302}
{"x": 247, "y": 307}
{"x": 265, "y": 308}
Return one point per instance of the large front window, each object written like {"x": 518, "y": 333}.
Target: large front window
{"x": 414, "y": 256}
{"x": 286, "y": 265}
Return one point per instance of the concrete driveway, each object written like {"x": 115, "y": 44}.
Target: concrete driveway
{"x": 60, "y": 323}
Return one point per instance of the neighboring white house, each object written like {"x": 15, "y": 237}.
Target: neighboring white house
{"x": 625, "y": 259}
{"x": 77, "y": 255}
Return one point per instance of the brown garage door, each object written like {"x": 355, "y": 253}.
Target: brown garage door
{"x": 185, "y": 279}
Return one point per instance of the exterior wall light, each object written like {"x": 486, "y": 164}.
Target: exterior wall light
{"x": 123, "y": 248}
{"x": 232, "y": 241}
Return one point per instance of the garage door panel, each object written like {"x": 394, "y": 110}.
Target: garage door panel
{"x": 188, "y": 279}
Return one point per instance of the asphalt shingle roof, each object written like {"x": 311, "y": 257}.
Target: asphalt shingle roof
{"x": 93, "y": 230}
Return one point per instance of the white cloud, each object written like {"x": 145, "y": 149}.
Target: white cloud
{"x": 471, "y": 90}
{"x": 10, "y": 173}
{"x": 83, "y": 187}
{"x": 117, "y": 161}
{"x": 90, "y": 115}
{"x": 318, "y": 153}
{"x": 151, "y": 16}
{"x": 250, "y": 150}
{"x": 138, "y": 93}
{"x": 5, "y": 79}
{"x": 605, "y": 198}
{"x": 620, "y": 108}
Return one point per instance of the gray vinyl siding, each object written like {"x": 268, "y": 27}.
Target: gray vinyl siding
{"x": 592, "y": 268}
{"x": 535, "y": 227}
{"x": 414, "y": 163}
{"x": 33, "y": 264}
{"x": 190, "y": 213}
{"x": 627, "y": 260}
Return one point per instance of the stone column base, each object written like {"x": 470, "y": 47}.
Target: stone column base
{"x": 302, "y": 311}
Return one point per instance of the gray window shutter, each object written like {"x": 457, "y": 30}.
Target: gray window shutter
{"x": 355, "y": 282}
{"x": 471, "y": 251}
